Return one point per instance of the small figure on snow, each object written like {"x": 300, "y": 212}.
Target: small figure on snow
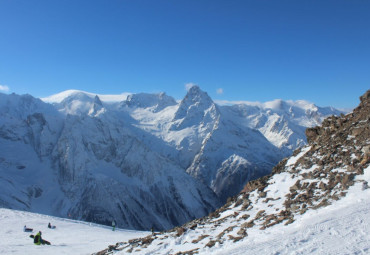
{"x": 113, "y": 225}
{"x": 365, "y": 185}
{"x": 37, "y": 239}
{"x": 152, "y": 229}
{"x": 25, "y": 229}
{"x": 50, "y": 226}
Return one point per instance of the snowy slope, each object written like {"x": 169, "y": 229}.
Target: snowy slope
{"x": 341, "y": 228}
{"x": 69, "y": 237}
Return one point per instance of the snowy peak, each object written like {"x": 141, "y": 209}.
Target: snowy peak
{"x": 58, "y": 98}
{"x": 22, "y": 105}
{"x": 283, "y": 123}
{"x": 77, "y": 103}
{"x": 196, "y": 107}
{"x": 97, "y": 101}
{"x": 97, "y": 107}
{"x": 195, "y": 99}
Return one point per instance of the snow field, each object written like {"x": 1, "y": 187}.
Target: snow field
{"x": 69, "y": 237}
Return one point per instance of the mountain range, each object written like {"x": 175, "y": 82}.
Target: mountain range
{"x": 314, "y": 202}
{"x": 144, "y": 160}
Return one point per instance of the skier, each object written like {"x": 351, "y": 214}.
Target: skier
{"x": 25, "y": 229}
{"x": 113, "y": 225}
{"x": 37, "y": 239}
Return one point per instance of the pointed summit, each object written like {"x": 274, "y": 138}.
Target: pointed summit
{"x": 196, "y": 107}
{"x": 97, "y": 107}
{"x": 97, "y": 101}
{"x": 195, "y": 98}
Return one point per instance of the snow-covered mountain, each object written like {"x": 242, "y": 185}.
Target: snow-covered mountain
{"x": 141, "y": 159}
{"x": 314, "y": 202}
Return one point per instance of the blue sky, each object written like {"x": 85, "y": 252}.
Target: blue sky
{"x": 233, "y": 49}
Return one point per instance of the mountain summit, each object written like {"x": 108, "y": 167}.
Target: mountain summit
{"x": 196, "y": 108}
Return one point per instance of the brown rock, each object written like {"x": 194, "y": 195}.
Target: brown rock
{"x": 211, "y": 243}
{"x": 180, "y": 231}
{"x": 200, "y": 238}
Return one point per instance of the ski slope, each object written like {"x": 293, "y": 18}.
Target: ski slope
{"x": 341, "y": 228}
{"x": 69, "y": 237}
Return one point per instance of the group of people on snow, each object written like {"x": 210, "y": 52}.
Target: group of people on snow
{"x": 37, "y": 239}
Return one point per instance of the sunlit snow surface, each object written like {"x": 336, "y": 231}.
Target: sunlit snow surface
{"x": 69, "y": 237}
{"x": 341, "y": 228}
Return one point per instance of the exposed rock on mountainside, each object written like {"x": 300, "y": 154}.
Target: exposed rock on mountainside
{"x": 315, "y": 176}
{"x": 156, "y": 102}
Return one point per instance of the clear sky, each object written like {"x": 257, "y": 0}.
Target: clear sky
{"x": 234, "y": 49}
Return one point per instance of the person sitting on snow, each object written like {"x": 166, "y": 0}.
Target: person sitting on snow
{"x": 50, "y": 226}
{"x": 38, "y": 239}
{"x": 25, "y": 229}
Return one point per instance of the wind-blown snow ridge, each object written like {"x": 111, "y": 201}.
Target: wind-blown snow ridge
{"x": 58, "y": 98}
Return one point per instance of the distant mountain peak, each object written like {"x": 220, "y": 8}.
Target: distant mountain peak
{"x": 145, "y": 100}
{"x": 97, "y": 101}
{"x": 195, "y": 94}
{"x": 59, "y": 97}
{"x": 194, "y": 107}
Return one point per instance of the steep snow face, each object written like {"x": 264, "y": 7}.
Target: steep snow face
{"x": 29, "y": 131}
{"x": 222, "y": 160}
{"x": 99, "y": 156}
